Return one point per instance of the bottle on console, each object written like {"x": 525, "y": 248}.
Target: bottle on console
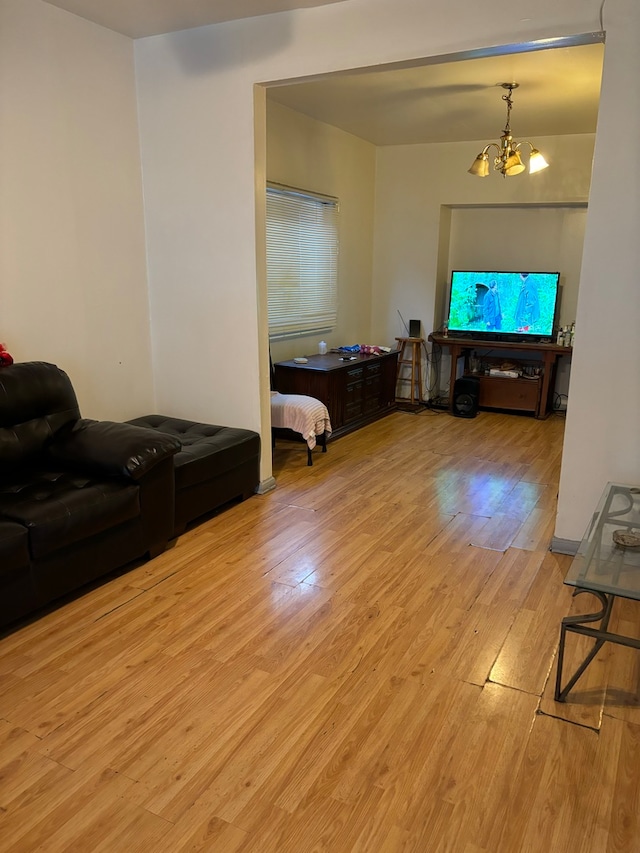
{"x": 560, "y": 337}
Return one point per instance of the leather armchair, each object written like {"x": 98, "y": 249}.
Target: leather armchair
{"x": 78, "y": 498}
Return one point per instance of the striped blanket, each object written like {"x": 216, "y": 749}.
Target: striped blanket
{"x": 300, "y": 413}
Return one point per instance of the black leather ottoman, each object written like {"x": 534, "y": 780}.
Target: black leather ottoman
{"x": 217, "y": 464}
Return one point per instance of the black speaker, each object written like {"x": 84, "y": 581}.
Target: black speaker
{"x": 466, "y": 393}
{"x": 414, "y": 328}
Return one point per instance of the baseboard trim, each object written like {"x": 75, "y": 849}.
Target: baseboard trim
{"x": 564, "y": 546}
{"x": 265, "y": 486}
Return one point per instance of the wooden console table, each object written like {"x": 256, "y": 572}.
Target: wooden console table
{"x": 531, "y": 395}
{"x": 355, "y": 392}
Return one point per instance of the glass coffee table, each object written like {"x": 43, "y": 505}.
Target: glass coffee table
{"x": 607, "y": 565}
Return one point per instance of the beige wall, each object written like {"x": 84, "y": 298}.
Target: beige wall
{"x": 543, "y": 229}
{"x": 73, "y": 287}
{"x": 416, "y": 245}
{"x": 601, "y": 440}
{"x": 311, "y": 155}
{"x": 537, "y": 224}
{"x": 526, "y": 237}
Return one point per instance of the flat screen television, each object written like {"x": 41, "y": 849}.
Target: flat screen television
{"x": 503, "y": 305}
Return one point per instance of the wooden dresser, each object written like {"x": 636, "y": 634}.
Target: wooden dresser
{"x": 355, "y": 392}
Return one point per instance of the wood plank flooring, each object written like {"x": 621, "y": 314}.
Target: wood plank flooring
{"x": 361, "y": 660}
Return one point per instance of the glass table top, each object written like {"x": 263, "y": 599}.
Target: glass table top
{"x": 600, "y": 562}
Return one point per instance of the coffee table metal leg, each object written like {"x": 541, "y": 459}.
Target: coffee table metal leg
{"x": 576, "y": 625}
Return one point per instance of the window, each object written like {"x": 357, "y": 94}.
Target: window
{"x": 302, "y": 261}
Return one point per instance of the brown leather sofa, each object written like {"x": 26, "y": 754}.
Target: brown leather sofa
{"x": 78, "y": 498}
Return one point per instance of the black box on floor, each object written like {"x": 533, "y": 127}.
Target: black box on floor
{"x": 466, "y": 394}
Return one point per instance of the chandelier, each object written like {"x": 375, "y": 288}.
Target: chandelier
{"x": 508, "y": 159}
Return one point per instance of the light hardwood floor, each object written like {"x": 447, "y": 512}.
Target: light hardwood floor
{"x": 361, "y": 660}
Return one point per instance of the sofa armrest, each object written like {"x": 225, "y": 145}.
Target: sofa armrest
{"x": 111, "y": 449}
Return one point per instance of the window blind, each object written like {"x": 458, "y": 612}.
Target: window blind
{"x": 302, "y": 262}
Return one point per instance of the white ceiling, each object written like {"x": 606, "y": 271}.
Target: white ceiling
{"x": 458, "y": 101}
{"x": 139, "y": 18}
{"x": 425, "y": 101}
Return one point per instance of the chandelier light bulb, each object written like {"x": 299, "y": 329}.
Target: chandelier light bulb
{"x": 537, "y": 162}
{"x": 514, "y": 165}
{"x": 480, "y": 166}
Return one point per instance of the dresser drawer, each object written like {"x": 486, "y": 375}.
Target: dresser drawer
{"x": 353, "y": 400}
{"x": 354, "y": 375}
{"x": 373, "y": 369}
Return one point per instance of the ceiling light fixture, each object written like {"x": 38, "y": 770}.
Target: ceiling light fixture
{"x": 508, "y": 159}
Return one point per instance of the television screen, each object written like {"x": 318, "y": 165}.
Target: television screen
{"x": 492, "y": 304}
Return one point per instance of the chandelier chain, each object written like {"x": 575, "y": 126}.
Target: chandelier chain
{"x": 509, "y": 102}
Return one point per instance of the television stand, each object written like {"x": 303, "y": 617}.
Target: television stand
{"x": 526, "y": 395}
